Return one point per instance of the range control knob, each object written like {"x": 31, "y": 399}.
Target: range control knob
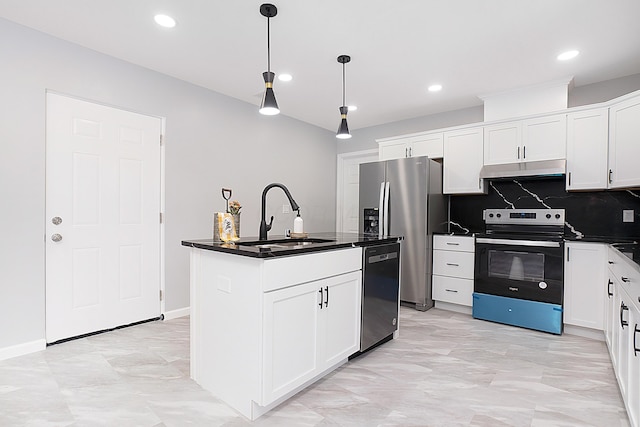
{"x": 548, "y": 216}
{"x": 498, "y": 215}
{"x": 490, "y": 215}
{"x": 557, "y": 216}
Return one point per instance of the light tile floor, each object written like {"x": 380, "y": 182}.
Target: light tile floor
{"x": 446, "y": 369}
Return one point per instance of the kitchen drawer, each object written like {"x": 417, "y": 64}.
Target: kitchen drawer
{"x": 627, "y": 274}
{"x": 453, "y": 290}
{"x": 453, "y": 243}
{"x": 453, "y": 264}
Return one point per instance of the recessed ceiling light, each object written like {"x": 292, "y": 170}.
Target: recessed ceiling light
{"x": 353, "y": 107}
{"x": 435, "y": 88}
{"x": 285, "y": 77}
{"x": 570, "y": 54}
{"x": 165, "y": 21}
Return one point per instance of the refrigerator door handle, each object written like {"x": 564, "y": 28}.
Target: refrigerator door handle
{"x": 386, "y": 209}
{"x": 381, "y": 211}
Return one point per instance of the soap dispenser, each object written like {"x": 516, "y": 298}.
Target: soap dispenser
{"x": 298, "y": 224}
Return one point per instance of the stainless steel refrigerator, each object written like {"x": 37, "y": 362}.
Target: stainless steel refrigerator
{"x": 404, "y": 197}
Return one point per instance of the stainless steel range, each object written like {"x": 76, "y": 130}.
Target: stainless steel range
{"x": 519, "y": 268}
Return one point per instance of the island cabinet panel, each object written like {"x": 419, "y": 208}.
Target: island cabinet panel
{"x": 263, "y": 329}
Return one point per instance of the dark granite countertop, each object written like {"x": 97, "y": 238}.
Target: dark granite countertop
{"x": 269, "y": 248}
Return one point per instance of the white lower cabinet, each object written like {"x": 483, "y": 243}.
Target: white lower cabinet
{"x": 453, "y": 267}
{"x": 305, "y": 331}
{"x": 622, "y": 329}
{"x": 263, "y": 329}
{"x": 584, "y": 290}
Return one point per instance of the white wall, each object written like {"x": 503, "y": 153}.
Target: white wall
{"x": 212, "y": 141}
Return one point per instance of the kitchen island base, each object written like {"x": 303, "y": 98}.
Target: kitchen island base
{"x": 264, "y": 329}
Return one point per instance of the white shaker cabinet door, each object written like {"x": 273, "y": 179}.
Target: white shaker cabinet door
{"x": 624, "y": 144}
{"x": 342, "y": 306}
{"x": 544, "y": 138}
{"x": 584, "y": 288}
{"x": 290, "y": 340}
{"x": 463, "y": 159}
{"x": 587, "y": 139}
{"x": 395, "y": 149}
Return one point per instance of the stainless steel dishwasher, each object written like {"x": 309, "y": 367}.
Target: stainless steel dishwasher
{"x": 380, "y": 293}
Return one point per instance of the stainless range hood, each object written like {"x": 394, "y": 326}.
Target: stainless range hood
{"x": 526, "y": 169}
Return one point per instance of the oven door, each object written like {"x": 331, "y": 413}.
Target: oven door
{"x": 524, "y": 269}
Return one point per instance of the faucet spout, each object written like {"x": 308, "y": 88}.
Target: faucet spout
{"x": 264, "y": 227}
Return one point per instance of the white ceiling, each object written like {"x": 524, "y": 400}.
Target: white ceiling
{"x": 398, "y": 48}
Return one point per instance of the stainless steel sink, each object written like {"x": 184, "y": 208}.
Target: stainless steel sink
{"x": 284, "y": 243}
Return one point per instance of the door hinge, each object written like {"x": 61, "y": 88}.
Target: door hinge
{"x": 161, "y": 217}
{"x": 161, "y": 140}
{"x": 161, "y": 295}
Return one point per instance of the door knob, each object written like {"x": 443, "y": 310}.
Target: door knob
{"x": 56, "y": 237}
{"x": 56, "y": 220}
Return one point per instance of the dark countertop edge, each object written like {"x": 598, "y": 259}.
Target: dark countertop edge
{"x": 341, "y": 241}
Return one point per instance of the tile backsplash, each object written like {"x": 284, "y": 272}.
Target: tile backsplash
{"x": 592, "y": 214}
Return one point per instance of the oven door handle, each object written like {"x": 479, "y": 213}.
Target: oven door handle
{"x": 509, "y": 242}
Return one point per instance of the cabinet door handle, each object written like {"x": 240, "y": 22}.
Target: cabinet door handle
{"x": 568, "y": 257}
{"x": 518, "y": 153}
{"x": 610, "y": 262}
{"x": 406, "y": 152}
{"x": 322, "y": 299}
{"x": 625, "y": 279}
{"x": 623, "y": 322}
{"x": 609, "y": 288}
{"x": 452, "y": 290}
{"x": 569, "y": 179}
{"x": 610, "y": 172}
{"x": 635, "y": 347}
{"x": 524, "y": 152}
{"x": 326, "y": 301}
{"x": 453, "y": 265}
{"x": 410, "y": 152}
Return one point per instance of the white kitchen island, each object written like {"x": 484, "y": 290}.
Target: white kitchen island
{"x": 263, "y": 327}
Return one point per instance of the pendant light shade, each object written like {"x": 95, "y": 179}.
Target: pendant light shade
{"x": 269, "y": 105}
{"x": 343, "y": 129}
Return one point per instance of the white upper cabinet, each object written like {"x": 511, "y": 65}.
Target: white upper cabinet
{"x": 544, "y": 138}
{"x": 393, "y": 149}
{"x": 502, "y": 143}
{"x": 539, "y": 138}
{"x": 587, "y": 134}
{"x": 463, "y": 159}
{"x": 428, "y": 144}
{"x": 624, "y": 144}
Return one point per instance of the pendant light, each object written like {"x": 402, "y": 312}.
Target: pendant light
{"x": 269, "y": 106}
{"x": 343, "y": 129}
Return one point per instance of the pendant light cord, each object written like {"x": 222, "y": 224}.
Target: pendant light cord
{"x": 343, "y": 86}
{"x": 268, "y": 46}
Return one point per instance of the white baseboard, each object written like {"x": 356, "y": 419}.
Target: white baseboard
{"x": 593, "y": 334}
{"x": 174, "y": 314}
{"x": 22, "y": 349}
{"x": 453, "y": 307}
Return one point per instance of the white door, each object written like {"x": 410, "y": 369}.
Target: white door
{"x": 349, "y": 188}
{"x": 102, "y": 217}
{"x": 341, "y": 334}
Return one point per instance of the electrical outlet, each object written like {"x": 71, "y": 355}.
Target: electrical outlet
{"x": 627, "y": 215}
{"x": 285, "y": 209}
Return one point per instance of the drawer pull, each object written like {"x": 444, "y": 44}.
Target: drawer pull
{"x": 451, "y": 290}
{"x": 453, "y": 265}
{"x": 625, "y": 279}
{"x": 453, "y": 244}
{"x": 609, "y": 288}
{"x": 623, "y": 322}
{"x": 610, "y": 262}
{"x": 635, "y": 347}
